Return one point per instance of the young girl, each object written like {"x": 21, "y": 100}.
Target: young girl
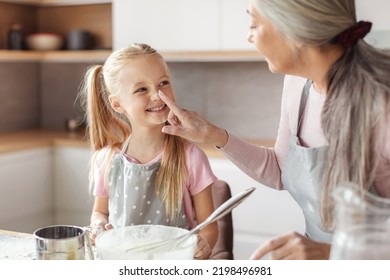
{"x": 139, "y": 174}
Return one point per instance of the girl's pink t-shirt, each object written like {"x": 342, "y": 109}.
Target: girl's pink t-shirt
{"x": 199, "y": 176}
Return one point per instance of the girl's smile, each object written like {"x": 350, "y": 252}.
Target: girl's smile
{"x": 157, "y": 109}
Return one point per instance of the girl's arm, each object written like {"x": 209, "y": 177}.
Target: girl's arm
{"x": 204, "y": 206}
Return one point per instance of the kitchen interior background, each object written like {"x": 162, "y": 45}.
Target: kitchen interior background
{"x": 243, "y": 97}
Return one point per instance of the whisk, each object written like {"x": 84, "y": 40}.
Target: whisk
{"x": 218, "y": 213}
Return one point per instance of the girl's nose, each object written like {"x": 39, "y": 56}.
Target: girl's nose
{"x": 155, "y": 95}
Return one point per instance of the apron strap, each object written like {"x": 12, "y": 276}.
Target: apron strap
{"x": 302, "y": 104}
{"x": 124, "y": 148}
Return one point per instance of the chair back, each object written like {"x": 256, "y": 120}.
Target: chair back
{"x": 223, "y": 249}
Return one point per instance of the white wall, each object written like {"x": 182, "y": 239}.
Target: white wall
{"x": 376, "y": 11}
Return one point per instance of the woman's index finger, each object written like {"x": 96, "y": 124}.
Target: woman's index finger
{"x": 170, "y": 103}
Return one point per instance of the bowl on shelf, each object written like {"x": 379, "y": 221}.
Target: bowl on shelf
{"x": 44, "y": 41}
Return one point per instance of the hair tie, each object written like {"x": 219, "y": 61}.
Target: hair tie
{"x": 349, "y": 37}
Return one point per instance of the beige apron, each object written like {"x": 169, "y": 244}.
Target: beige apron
{"x": 301, "y": 177}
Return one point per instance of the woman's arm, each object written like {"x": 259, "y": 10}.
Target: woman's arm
{"x": 204, "y": 206}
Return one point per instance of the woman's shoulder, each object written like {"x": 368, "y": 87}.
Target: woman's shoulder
{"x": 293, "y": 84}
{"x": 292, "y": 91}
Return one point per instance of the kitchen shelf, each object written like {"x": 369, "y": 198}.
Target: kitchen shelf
{"x": 212, "y": 56}
{"x": 58, "y": 2}
{"x": 101, "y": 55}
{"x": 54, "y": 56}
{"x": 60, "y": 19}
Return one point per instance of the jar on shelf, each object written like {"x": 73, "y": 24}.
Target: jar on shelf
{"x": 15, "y": 37}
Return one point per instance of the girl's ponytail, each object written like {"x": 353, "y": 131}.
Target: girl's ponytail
{"x": 106, "y": 128}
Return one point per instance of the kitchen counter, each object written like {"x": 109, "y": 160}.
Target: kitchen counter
{"x": 16, "y": 246}
{"x": 19, "y": 246}
{"x": 13, "y": 233}
{"x": 24, "y": 140}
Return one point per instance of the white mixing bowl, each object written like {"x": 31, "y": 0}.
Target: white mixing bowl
{"x": 113, "y": 244}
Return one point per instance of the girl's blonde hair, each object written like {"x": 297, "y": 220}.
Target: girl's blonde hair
{"x": 357, "y": 102}
{"x": 106, "y": 128}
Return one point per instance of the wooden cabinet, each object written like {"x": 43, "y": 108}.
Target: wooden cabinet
{"x": 266, "y": 213}
{"x": 62, "y": 17}
{"x": 44, "y": 186}
{"x": 183, "y": 30}
{"x": 177, "y": 25}
{"x": 58, "y": 2}
{"x": 26, "y": 194}
{"x": 72, "y": 200}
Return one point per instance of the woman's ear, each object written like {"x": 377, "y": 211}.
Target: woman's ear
{"x": 115, "y": 104}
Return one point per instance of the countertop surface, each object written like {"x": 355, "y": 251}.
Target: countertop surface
{"x": 16, "y": 246}
{"x": 24, "y": 140}
{"x": 20, "y": 246}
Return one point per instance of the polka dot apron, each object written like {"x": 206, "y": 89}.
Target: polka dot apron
{"x": 133, "y": 198}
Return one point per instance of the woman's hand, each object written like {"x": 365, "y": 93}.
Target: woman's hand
{"x": 292, "y": 246}
{"x": 192, "y": 126}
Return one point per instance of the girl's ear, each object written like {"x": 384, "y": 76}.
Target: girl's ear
{"x": 115, "y": 104}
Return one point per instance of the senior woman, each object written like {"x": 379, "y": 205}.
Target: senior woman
{"x": 335, "y": 120}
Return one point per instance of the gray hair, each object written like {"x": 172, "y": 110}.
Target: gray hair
{"x": 313, "y": 22}
{"x": 358, "y": 98}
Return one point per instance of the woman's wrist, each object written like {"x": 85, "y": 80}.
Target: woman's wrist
{"x": 221, "y": 138}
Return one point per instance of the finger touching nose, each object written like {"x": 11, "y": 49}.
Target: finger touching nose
{"x": 170, "y": 103}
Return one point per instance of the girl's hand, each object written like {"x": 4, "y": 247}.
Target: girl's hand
{"x": 191, "y": 125}
{"x": 96, "y": 228}
{"x": 292, "y": 246}
{"x": 203, "y": 250}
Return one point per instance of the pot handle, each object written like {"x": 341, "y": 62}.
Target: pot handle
{"x": 89, "y": 247}
{"x": 88, "y": 243}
